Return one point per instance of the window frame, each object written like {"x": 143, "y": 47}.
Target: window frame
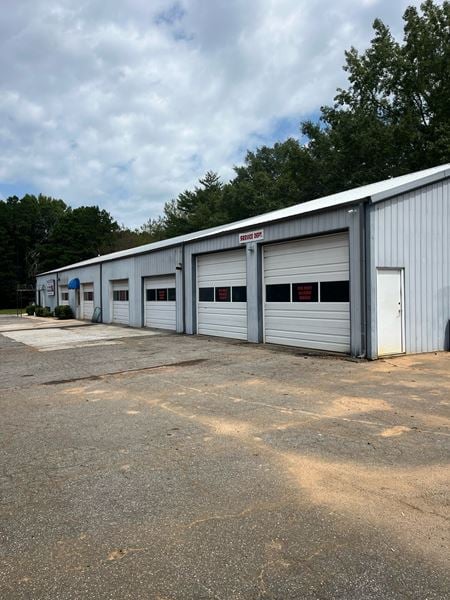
{"x": 346, "y": 282}
{"x": 287, "y": 286}
{"x": 119, "y": 292}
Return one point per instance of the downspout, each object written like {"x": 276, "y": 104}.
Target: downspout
{"x": 101, "y": 292}
{"x": 363, "y": 276}
{"x": 183, "y": 285}
{"x": 368, "y": 279}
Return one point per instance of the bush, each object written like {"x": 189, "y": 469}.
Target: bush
{"x": 31, "y": 309}
{"x": 63, "y": 312}
{"x": 43, "y": 311}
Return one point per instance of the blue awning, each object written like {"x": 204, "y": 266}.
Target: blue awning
{"x": 74, "y": 284}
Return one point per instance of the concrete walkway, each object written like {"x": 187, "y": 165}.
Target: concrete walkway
{"x": 52, "y": 334}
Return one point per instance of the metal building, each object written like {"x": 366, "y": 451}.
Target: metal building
{"x": 364, "y": 272}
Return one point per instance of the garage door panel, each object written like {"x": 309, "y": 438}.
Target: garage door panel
{"x": 326, "y": 343}
{"x": 87, "y": 292}
{"x": 231, "y": 324}
{"x": 283, "y": 310}
{"x": 226, "y": 270}
{"x": 309, "y": 260}
{"x": 228, "y": 317}
{"x": 319, "y": 325}
{"x": 161, "y": 317}
{"x": 121, "y": 312}
{"x": 315, "y": 244}
{"x": 221, "y": 267}
{"x": 160, "y": 314}
{"x": 120, "y": 308}
{"x": 327, "y": 274}
{"x": 307, "y": 326}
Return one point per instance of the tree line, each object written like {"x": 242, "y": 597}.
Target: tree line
{"x": 392, "y": 118}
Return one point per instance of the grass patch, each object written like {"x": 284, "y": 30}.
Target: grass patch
{"x": 9, "y": 311}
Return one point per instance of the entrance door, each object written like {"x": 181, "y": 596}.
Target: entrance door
{"x": 63, "y": 295}
{"x": 390, "y": 312}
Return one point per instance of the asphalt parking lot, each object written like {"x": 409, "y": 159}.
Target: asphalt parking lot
{"x": 158, "y": 466}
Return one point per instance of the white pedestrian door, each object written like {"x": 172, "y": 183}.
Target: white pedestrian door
{"x": 160, "y": 302}
{"x": 63, "y": 295}
{"x": 390, "y": 314}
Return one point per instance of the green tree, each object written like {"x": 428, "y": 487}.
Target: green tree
{"x": 25, "y": 224}
{"x": 271, "y": 178}
{"x": 193, "y": 210}
{"x": 394, "y": 117}
{"x": 80, "y": 234}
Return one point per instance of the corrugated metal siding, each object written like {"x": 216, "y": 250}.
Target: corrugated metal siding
{"x": 319, "y": 223}
{"x": 135, "y": 268}
{"x": 412, "y": 231}
{"x": 89, "y": 274}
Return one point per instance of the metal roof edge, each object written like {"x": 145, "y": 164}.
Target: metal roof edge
{"x": 410, "y": 185}
{"x": 202, "y": 235}
{"x": 294, "y": 211}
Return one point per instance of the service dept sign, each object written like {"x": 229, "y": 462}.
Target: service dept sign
{"x": 251, "y": 236}
{"x": 50, "y": 287}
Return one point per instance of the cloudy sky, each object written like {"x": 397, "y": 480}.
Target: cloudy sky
{"x": 126, "y": 103}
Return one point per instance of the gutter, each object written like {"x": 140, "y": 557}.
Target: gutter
{"x": 101, "y": 292}
{"x": 183, "y": 284}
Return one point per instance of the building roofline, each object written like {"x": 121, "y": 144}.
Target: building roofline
{"x": 375, "y": 192}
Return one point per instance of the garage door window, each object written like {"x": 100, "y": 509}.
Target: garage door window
{"x": 64, "y": 296}
{"x": 120, "y": 295}
{"x": 88, "y": 296}
{"x": 223, "y": 294}
{"x": 161, "y": 295}
{"x": 206, "y": 294}
{"x": 305, "y": 292}
{"x": 279, "y": 292}
{"x": 330, "y": 291}
{"x": 334, "y": 291}
{"x": 239, "y": 293}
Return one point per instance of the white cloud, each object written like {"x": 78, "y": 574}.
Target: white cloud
{"x": 125, "y": 104}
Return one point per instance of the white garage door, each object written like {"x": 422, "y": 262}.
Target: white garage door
{"x": 63, "y": 295}
{"x": 307, "y": 293}
{"x": 160, "y": 302}
{"x": 120, "y": 302}
{"x": 222, "y": 294}
{"x": 87, "y": 300}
